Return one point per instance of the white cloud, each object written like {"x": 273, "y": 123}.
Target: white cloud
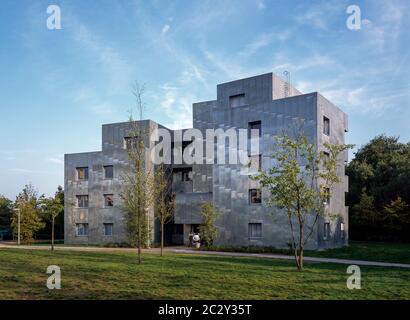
{"x": 165, "y": 28}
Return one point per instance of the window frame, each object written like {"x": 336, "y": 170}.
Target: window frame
{"x": 250, "y": 127}
{"x": 106, "y": 196}
{"x": 105, "y": 172}
{"x": 326, "y": 231}
{"x": 86, "y": 173}
{"x": 84, "y": 228}
{"x": 326, "y": 125}
{"x": 105, "y": 225}
{"x": 250, "y": 196}
{"x": 130, "y": 143}
{"x": 258, "y": 231}
{"x": 82, "y": 196}
{"x": 237, "y": 100}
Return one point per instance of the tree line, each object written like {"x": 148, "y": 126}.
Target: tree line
{"x": 379, "y": 192}
{"x": 40, "y": 216}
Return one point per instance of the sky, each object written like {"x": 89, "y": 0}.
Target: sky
{"x": 57, "y": 87}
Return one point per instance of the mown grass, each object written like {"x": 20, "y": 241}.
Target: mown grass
{"x": 371, "y": 251}
{"x": 96, "y": 275}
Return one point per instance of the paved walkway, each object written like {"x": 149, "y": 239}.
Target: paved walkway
{"x": 216, "y": 253}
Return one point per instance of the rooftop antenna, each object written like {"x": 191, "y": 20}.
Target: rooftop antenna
{"x": 287, "y": 83}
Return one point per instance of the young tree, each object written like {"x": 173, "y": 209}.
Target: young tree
{"x": 300, "y": 183}
{"x": 137, "y": 194}
{"x": 207, "y": 229}
{"x": 30, "y": 220}
{"x": 51, "y": 209}
{"x": 163, "y": 198}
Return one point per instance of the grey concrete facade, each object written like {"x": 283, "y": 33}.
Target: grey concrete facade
{"x": 266, "y": 99}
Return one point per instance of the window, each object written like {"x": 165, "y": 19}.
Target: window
{"x": 82, "y": 229}
{"x": 255, "y": 125}
{"x": 82, "y": 201}
{"x": 255, "y": 230}
{"x": 237, "y": 100}
{"x": 326, "y": 156}
{"x": 108, "y": 172}
{"x": 187, "y": 175}
{"x": 108, "y": 228}
{"x": 82, "y": 173}
{"x": 326, "y": 196}
{"x": 130, "y": 143}
{"x": 326, "y": 231}
{"x": 342, "y": 230}
{"x": 326, "y": 126}
{"x": 255, "y": 162}
{"x": 255, "y": 196}
{"x": 108, "y": 200}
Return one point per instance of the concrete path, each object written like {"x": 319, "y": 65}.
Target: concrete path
{"x": 215, "y": 253}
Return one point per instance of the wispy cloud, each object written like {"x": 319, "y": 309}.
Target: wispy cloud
{"x": 57, "y": 159}
{"x": 31, "y": 171}
{"x": 260, "y": 4}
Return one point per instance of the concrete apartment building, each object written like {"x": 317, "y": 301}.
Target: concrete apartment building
{"x": 93, "y": 213}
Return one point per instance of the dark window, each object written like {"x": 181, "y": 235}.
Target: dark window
{"x": 237, "y": 100}
{"x": 108, "y": 228}
{"x": 82, "y": 229}
{"x": 130, "y": 143}
{"x": 186, "y": 175}
{"x": 82, "y": 173}
{"x": 108, "y": 172}
{"x": 255, "y": 125}
{"x": 255, "y": 196}
{"x": 255, "y": 230}
{"x": 82, "y": 201}
{"x": 326, "y": 156}
{"x": 108, "y": 200}
{"x": 326, "y": 231}
{"x": 326, "y": 126}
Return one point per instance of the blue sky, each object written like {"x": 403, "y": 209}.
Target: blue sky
{"x": 57, "y": 87}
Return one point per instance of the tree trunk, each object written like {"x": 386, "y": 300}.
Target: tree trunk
{"x": 139, "y": 241}
{"x": 301, "y": 247}
{"x": 52, "y": 234}
{"x": 162, "y": 237}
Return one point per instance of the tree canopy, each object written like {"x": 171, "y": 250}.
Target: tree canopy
{"x": 379, "y": 195}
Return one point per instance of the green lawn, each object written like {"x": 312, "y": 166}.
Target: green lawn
{"x": 372, "y": 251}
{"x": 96, "y": 275}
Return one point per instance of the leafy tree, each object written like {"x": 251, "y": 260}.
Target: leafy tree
{"x": 397, "y": 215}
{"x": 51, "y": 208}
{"x": 30, "y": 221}
{"x": 138, "y": 192}
{"x": 207, "y": 229}
{"x": 300, "y": 183}
{"x": 163, "y": 198}
{"x": 381, "y": 168}
{"x": 6, "y": 212}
